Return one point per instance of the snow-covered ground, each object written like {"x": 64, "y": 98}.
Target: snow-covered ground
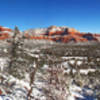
{"x": 62, "y": 78}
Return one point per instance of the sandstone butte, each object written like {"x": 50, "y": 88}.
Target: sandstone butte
{"x": 53, "y": 33}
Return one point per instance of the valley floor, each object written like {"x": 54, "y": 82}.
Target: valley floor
{"x": 40, "y": 70}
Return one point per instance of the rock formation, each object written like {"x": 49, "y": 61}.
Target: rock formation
{"x": 53, "y": 33}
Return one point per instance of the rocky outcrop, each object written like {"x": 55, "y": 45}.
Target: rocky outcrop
{"x": 53, "y": 33}
{"x": 5, "y": 33}
{"x": 60, "y": 34}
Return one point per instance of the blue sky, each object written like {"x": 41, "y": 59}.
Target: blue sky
{"x": 84, "y": 15}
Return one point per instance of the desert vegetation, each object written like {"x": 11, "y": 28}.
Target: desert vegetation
{"x": 42, "y": 70}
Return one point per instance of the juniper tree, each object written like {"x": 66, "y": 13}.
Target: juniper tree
{"x": 15, "y": 42}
